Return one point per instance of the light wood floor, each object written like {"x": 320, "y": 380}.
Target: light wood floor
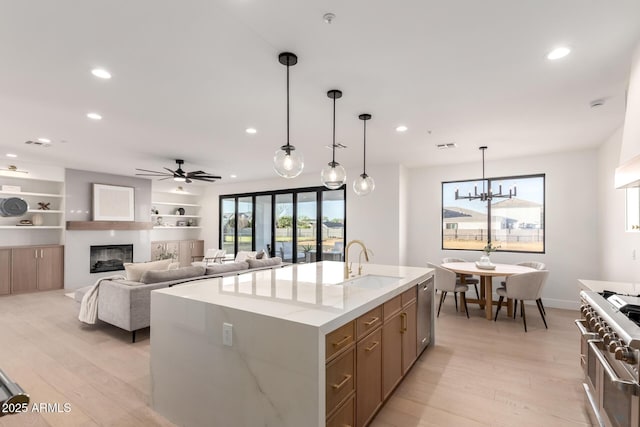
{"x": 479, "y": 373}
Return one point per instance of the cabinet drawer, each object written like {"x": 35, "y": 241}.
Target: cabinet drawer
{"x": 409, "y": 295}
{"x": 344, "y": 417}
{"x": 341, "y": 379}
{"x": 368, "y": 322}
{"x": 339, "y": 339}
{"x": 392, "y": 306}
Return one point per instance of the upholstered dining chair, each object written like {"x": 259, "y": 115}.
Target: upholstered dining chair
{"x": 469, "y": 280}
{"x": 524, "y": 287}
{"x": 531, "y": 264}
{"x": 446, "y": 282}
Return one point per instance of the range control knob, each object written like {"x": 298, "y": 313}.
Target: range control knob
{"x": 584, "y": 309}
{"x": 593, "y": 322}
{"x": 613, "y": 345}
{"x": 609, "y": 337}
{"x": 602, "y": 330}
{"x": 625, "y": 354}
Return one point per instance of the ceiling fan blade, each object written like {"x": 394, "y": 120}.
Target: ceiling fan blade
{"x": 171, "y": 171}
{"x": 187, "y": 180}
{"x": 196, "y": 173}
{"x": 147, "y": 170}
{"x": 209, "y": 176}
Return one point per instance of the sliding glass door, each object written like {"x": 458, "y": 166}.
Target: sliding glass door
{"x": 298, "y": 225}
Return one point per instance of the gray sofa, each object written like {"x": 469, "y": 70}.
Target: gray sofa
{"x": 127, "y": 304}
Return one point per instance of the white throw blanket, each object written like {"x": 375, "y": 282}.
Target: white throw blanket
{"x": 89, "y": 305}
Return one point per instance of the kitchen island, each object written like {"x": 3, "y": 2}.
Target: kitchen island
{"x": 296, "y": 346}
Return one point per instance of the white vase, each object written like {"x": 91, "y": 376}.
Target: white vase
{"x": 37, "y": 219}
{"x": 485, "y": 260}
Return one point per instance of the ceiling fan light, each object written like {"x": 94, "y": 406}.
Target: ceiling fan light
{"x": 179, "y": 179}
{"x": 333, "y": 176}
{"x": 363, "y": 185}
{"x": 287, "y": 162}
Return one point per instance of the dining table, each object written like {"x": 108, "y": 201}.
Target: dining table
{"x": 486, "y": 281}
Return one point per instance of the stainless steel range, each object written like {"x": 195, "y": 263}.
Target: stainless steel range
{"x": 610, "y": 357}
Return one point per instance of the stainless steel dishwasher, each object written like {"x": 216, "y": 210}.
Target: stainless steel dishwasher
{"x": 425, "y": 311}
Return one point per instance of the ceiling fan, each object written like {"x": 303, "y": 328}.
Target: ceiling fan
{"x": 180, "y": 175}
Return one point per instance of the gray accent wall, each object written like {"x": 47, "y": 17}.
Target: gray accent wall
{"x": 78, "y": 207}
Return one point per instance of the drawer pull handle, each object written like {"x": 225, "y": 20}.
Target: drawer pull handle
{"x": 374, "y": 345}
{"x": 342, "y": 341}
{"x": 403, "y": 328}
{"x": 342, "y": 383}
{"x": 372, "y": 321}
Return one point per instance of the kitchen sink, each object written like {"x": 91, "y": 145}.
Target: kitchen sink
{"x": 371, "y": 281}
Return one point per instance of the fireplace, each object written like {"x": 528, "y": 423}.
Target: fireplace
{"x": 109, "y": 257}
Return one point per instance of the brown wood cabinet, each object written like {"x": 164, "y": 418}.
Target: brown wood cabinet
{"x": 368, "y": 377}
{"x": 190, "y": 250}
{"x": 384, "y": 342}
{"x": 5, "y": 271}
{"x": 399, "y": 339}
{"x": 37, "y": 268}
{"x": 182, "y": 251}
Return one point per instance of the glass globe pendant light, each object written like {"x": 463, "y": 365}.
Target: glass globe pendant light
{"x": 333, "y": 175}
{"x": 364, "y": 184}
{"x": 287, "y": 162}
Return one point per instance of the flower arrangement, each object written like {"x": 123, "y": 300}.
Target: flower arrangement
{"x": 490, "y": 247}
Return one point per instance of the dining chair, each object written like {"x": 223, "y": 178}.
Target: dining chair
{"x": 524, "y": 287}
{"x": 446, "y": 282}
{"x": 468, "y": 279}
{"x": 211, "y": 256}
{"x": 531, "y": 264}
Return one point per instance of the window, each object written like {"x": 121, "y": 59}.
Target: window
{"x": 515, "y": 225}
{"x": 300, "y": 225}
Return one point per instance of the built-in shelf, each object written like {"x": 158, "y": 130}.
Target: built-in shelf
{"x": 175, "y": 216}
{"x": 23, "y": 193}
{"x": 175, "y": 204}
{"x": 31, "y": 227}
{"x": 48, "y": 211}
{"x": 162, "y": 227}
{"x": 109, "y": 225}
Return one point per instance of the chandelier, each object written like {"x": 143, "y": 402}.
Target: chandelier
{"x": 487, "y": 195}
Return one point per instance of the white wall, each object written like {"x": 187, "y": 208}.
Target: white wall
{"x": 631, "y": 133}
{"x": 615, "y": 244}
{"x": 571, "y": 217}
{"x": 374, "y": 219}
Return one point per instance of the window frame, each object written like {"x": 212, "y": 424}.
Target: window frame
{"x": 489, "y": 228}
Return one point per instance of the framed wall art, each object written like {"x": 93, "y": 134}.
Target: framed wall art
{"x": 113, "y": 203}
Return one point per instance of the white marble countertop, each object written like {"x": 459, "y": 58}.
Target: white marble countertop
{"x": 314, "y": 294}
{"x": 618, "y": 287}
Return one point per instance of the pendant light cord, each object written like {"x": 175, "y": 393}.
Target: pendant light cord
{"x": 483, "y": 180}
{"x": 287, "y": 104}
{"x": 333, "y": 161}
{"x": 364, "y": 157}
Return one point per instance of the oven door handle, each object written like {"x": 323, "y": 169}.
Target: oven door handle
{"x": 583, "y": 331}
{"x": 626, "y": 386}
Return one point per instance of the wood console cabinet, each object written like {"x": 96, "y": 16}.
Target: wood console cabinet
{"x": 31, "y": 268}
{"x": 182, "y": 251}
{"x": 5, "y": 271}
{"x": 385, "y": 344}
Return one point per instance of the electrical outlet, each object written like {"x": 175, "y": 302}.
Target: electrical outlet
{"x": 227, "y": 334}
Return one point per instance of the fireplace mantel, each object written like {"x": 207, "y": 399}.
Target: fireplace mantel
{"x": 108, "y": 225}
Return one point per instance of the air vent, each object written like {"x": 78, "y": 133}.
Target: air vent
{"x": 446, "y": 146}
{"x": 42, "y": 144}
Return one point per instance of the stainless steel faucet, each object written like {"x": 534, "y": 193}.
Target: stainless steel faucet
{"x": 347, "y": 266}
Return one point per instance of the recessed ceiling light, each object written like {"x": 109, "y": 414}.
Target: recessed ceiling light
{"x": 94, "y": 116}
{"x": 401, "y": 128}
{"x": 12, "y": 155}
{"x": 233, "y": 176}
{"x": 101, "y": 73}
{"x": 559, "y": 52}
{"x": 44, "y": 140}
{"x": 251, "y": 130}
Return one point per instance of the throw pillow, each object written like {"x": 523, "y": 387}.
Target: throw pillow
{"x": 158, "y": 276}
{"x": 135, "y": 270}
{"x": 262, "y": 255}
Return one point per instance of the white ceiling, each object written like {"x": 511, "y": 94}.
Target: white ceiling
{"x": 190, "y": 76}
